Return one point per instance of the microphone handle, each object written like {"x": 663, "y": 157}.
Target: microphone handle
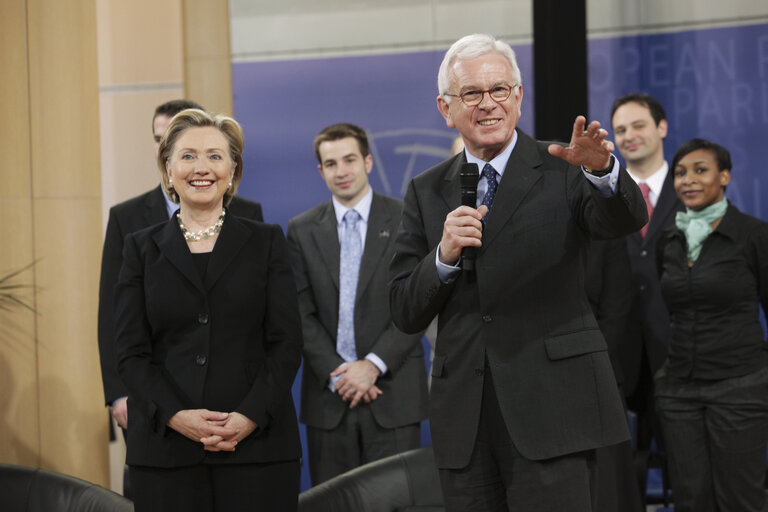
{"x": 468, "y": 258}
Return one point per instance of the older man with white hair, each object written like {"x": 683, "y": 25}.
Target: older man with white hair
{"x": 522, "y": 386}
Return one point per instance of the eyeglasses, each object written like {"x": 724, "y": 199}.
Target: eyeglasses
{"x": 498, "y": 93}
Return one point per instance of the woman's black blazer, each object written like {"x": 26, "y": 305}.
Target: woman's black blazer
{"x": 230, "y": 341}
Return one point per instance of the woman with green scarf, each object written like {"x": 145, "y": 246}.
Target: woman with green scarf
{"x": 712, "y": 392}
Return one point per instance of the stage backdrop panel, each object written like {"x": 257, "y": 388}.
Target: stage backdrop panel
{"x": 713, "y": 84}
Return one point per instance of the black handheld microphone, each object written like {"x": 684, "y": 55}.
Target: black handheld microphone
{"x": 468, "y": 177}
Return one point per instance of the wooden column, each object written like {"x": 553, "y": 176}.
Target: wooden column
{"x": 19, "y": 421}
{"x": 140, "y": 67}
{"x": 51, "y": 208}
{"x": 207, "y": 60}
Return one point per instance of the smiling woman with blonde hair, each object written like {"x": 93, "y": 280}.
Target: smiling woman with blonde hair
{"x": 712, "y": 392}
{"x": 208, "y": 339}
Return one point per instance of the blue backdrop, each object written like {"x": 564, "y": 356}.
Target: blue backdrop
{"x": 713, "y": 84}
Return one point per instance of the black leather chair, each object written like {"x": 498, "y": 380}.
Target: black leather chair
{"x": 24, "y": 489}
{"x": 407, "y": 482}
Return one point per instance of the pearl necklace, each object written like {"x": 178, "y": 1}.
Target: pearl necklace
{"x": 203, "y": 234}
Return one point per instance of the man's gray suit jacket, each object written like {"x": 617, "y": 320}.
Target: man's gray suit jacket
{"x": 314, "y": 247}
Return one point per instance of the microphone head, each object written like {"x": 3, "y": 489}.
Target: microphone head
{"x": 469, "y": 175}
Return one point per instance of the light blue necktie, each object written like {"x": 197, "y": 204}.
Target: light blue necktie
{"x": 349, "y": 269}
{"x": 490, "y": 176}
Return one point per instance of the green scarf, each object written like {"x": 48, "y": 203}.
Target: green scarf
{"x": 697, "y": 225}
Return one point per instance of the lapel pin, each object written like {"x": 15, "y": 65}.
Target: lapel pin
{"x": 384, "y": 233}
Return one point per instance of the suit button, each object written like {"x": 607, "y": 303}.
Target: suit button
{"x": 202, "y": 318}
{"x": 487, "y": 318}
{"x": 642, "y": 287}
{"x": 478, "y": 372}
{"x": 643, "y": 253}
{"x": 201, "y": 360}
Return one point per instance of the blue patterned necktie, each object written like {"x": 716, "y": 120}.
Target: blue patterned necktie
{"x": 490, "y": 176}
{"x": 349, "y": 269}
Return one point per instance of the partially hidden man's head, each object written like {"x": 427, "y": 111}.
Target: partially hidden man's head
{"x": 480, "y": 93}
{"x": 163, "y": 114}
{"x": 344, "y": 161}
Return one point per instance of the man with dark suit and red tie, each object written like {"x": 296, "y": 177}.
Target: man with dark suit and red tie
{"x": 364, "y": 389}
{"x": 640, "y": 126}
{"x": 142, "y": 211}
{"x": 522, "y": 386}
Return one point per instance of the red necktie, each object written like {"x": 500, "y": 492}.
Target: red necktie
{"x": 645, "y": 189}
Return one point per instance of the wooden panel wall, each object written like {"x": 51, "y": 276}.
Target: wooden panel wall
{"x": 51, "y": 213}
{"x": 140, "y": 67}
{"x": 19, "y": 422}
{"x": 207, "y": 61}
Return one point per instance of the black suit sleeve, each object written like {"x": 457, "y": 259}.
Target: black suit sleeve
{"x": 609, "y": 289}
{"x": 152, "y": 391}
{"x": 603, "y": 217}
{"x": 661, "y": 246}
{"x": 416, "y": 294}
{"x": 245, "y": 208}
{"x": 111, "y": 260}
{"x": 758, "y": 262}
{"x": 282, "y": 339}
{"x": 319, "y": 345}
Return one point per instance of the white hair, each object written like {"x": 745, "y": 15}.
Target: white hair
{"x": 471, "y": 47}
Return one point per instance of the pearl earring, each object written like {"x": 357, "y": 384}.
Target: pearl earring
{"x": 230, "y": 185}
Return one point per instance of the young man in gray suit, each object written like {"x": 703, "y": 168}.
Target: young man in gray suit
{"x": 522, "y": 386}
{"x": 364, "y": 385}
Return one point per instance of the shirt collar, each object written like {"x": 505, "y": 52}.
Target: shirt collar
{"x": 499, "y": 162}
{"x": 170, "y": 206}
{"x": 655, "y": 181}
{"x": 363, "y": 207}
{"x": 729, "y": 225}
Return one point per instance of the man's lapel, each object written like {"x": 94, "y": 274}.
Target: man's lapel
{"x": 665, "y": 207}
{"x": 451, "y": 186}
{"x": 326, "y": 238}
{"x": 519, "y": 176}
{"x": 380, "y": 231}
